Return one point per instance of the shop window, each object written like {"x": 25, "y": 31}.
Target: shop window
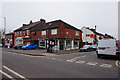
{"x": 43, "y": 32}
{"x": 76, "y": 43}
{"x": 54, "y": 31}
{"x": 77, "y": 33}
{"x": 68, "y": 44}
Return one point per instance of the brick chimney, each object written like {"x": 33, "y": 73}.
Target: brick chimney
{"x": 42, "y": 21}
{"x": 24, "y": 24}
{"x": 30, "y": 22}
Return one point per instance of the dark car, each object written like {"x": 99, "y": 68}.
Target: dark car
{"x": 18, "y": 46}
{"x": 93, "y": 47}
{"x": 85, "y": 48}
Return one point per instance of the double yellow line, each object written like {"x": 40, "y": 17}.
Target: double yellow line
{"x": 118, "y": 63}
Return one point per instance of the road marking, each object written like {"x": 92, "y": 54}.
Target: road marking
{"x": 6, "y": 75}
{"x": 80, "y": 62}
{"x": 70, "y": 60}
{"x": 54, "y": 58}
{"x": 14, "y": 72}
{"x": 106, "y": 65}
{"x": 118, "y": 63}
{"x": 92, "y": 63}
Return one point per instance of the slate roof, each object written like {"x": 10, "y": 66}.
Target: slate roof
{"x": 27, "y": 26}
{"x": 53, "y": 25}
{"x": 9, "y": 33}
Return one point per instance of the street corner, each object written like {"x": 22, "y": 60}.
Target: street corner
{"x": 118, "y": 63}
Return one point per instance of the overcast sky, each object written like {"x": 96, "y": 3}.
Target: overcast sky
{"x": 78, "y": 14}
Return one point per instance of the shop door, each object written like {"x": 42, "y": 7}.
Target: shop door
{"x": 61, "y": 44}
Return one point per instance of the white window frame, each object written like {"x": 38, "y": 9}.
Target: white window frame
{"x": 20, "y": 33}
{"x": 27, "y": 32}
{"x": 17, "y": 33}
{"x": 77, "y": 33}
{"x": 54, "y": 31}
{"x": 43, "y": 33}
{"x": 24, "y": 33}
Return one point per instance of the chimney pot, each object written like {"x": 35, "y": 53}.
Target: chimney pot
{"x": 42, "y": 20}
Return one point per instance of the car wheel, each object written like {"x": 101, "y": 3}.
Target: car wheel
{"x": 27, "y": 48}
{"x": 98, "y": 55}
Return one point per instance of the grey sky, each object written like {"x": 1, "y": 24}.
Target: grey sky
{"x": 78, "y": 14}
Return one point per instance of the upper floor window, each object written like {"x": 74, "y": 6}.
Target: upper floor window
{"x": 27, "y": 32}
{"x": 87, "y": 35}
{"x": 20, "y": 33}
{"x": 34, "y": 34}
{"x": 43, "y": 32}
{"x": 23, "y": 33}
{"x": 54, "y": 31}
{"x": 77, "y": 33}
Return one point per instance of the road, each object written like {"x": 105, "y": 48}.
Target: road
{"x": 76, "y": 65}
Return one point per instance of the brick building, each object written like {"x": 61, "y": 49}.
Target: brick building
{"x": 9, "y": 38}
{"x": 22, "y": 35}
{"x": 65, "y": 36}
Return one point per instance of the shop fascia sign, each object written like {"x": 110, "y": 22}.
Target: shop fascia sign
{"x": 26, "y": 36}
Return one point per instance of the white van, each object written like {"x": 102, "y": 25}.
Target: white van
{"x": 107, "y": 47}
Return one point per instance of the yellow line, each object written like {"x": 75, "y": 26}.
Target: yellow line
{"x": 117, "y": 63}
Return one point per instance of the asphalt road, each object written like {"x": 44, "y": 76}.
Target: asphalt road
{"x": 76, "y": 65}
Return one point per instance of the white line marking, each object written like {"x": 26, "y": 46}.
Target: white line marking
{"x": 106, "y": 65}
{"x": 92, "y": 63}
{"x": 54, "y": 58}
{"x": 14, "y": 72}
{"x": 80, "y": 62}
{"x": 6, "y": 74}
{"x": 70, "y": 60}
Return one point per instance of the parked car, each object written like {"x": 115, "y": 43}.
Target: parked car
{"x": 86, "y": 48}
{"x": 7, "y": 45}
{"x": 29, "y": 46}
{"x": 18, "y": 46}
{"x": 108, "y": 47}
{"x": 1, "y": 45}
{"x": 93, "y": 47}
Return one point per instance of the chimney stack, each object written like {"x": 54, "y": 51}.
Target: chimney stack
{"x": 95, "y": 27}
{"x": 30, "y": 22}
{"x": 42, "y": 21}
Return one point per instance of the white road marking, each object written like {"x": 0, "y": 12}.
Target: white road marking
{"x": 106, "y": 65}
{"x": 14, "y": 72}
{"x": 80, "y": 62}
{"x": 92, "y": 63}
{"x": 54, "y": 58}
{"x": 70, "y": 60}
{"x": 6, "y": 75}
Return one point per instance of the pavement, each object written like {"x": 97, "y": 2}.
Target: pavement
{"x": 40, "y": 52}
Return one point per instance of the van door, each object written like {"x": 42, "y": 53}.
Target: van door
{"x": 107, "y": 47}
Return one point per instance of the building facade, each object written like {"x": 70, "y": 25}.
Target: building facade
{"x": 90, "y": 36}
{"x": 22, "y": 35}
{"x": 63, "y": 35}
{"x": 9, "y": 38}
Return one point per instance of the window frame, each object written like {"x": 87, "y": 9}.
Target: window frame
{"x": 53, "y": 31}
{"x": 43, "y": 32}
{"x": 76, "y": 33}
